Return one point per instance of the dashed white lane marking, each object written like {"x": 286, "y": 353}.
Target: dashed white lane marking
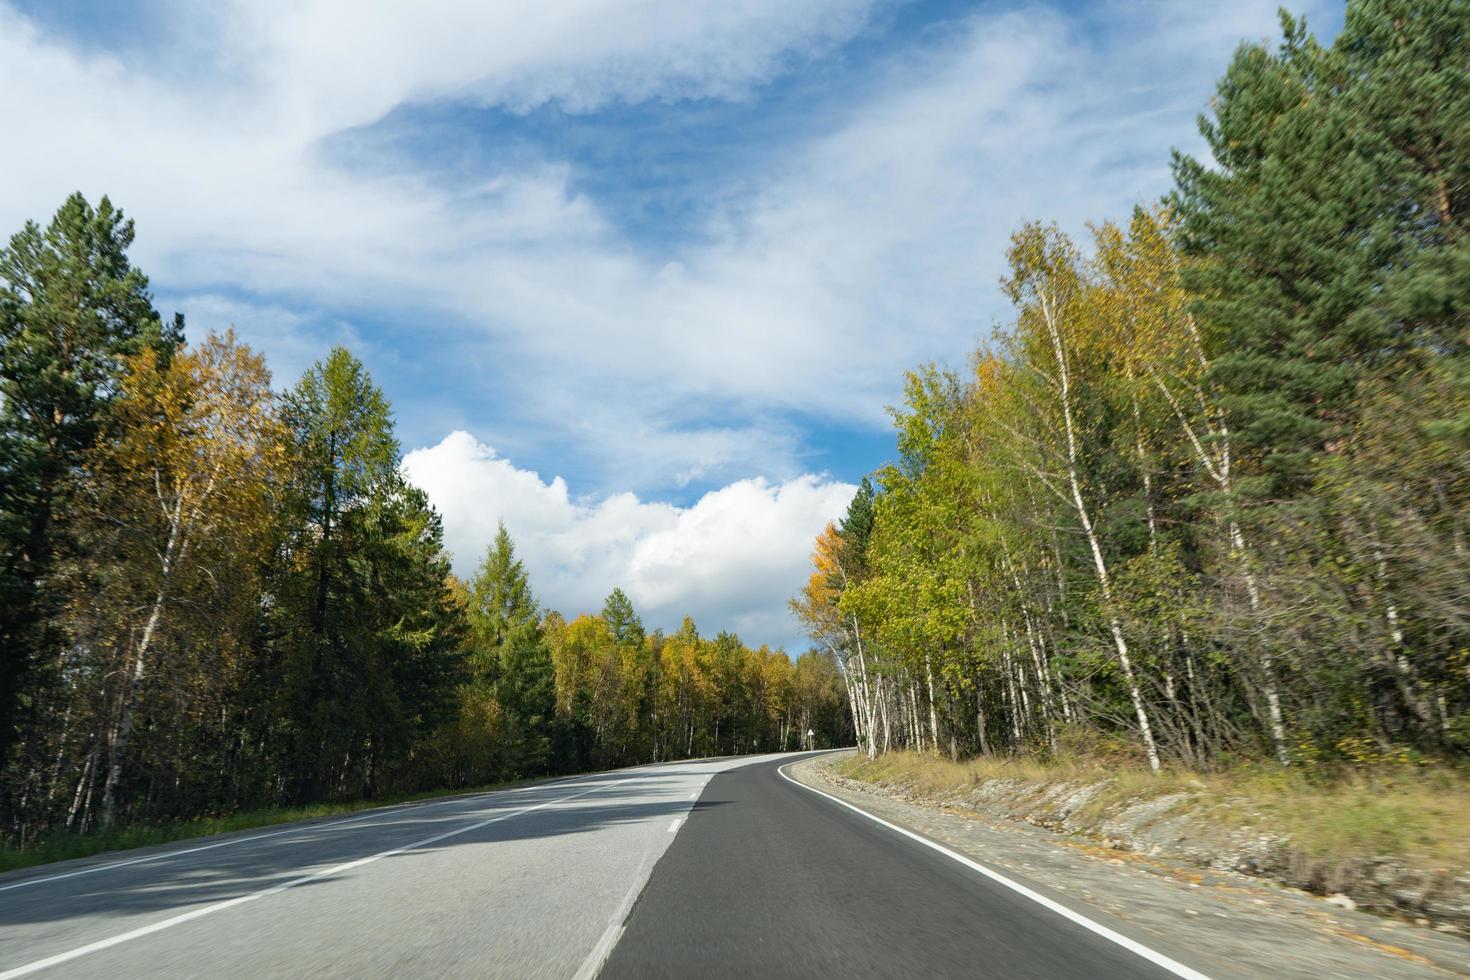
{"x": 199, "y": 913}
{"x": 1137, "y": 948}
{"x": 592, "y": 965}
{"x": 385, "y": 812}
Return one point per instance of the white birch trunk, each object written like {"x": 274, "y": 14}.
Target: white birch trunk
{"x": 118, "y": 742}
{"x": 1115, "y": 626}
{"x": 1014, "y": 700}
{"x": 1219, "y": 470}
{"x": 933, "y": 715}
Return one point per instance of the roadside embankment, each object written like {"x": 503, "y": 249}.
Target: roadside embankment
{"x": 1223, "y": 923}
{"x": 1391, "y": 839}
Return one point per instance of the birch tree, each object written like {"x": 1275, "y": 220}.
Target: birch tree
{"x": 1050, "y": 291}
{"x": 189, "y": 483}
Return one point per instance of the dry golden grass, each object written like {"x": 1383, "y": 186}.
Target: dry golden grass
{"x": 1419, "y": 812}
{"x": 1416, "y": 812}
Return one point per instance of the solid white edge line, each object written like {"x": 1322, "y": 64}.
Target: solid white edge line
{"x": 193, "y": 850}
{"x": 298, "y": 827}
{"x": 1137, "y": 948}
{"x": 80, "y": 951}
{"x": 593, "y": 964}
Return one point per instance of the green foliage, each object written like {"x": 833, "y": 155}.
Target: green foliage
{"x": 622, "y": 619}
{"x": 1326, "y": 232}
{"x": 856, "y": 528}
{"x": 72, "y": 308}
{"x": 510, "y": 654}
{"x": 366, "y": 633}
{"x": 1210, "y": 489}
{"x": 251, "y": 608}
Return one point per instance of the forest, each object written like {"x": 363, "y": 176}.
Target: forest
{"x": 1207, "y": 492}
{"x": 217, "y": 596}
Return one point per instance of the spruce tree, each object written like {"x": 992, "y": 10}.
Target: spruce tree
{"x": 856, "y": 528}
{"x": 622, "y": 619}
{"x": 365, "y": 626}
{"x": 505, "y": 628}
{"x": 418, "y": 630}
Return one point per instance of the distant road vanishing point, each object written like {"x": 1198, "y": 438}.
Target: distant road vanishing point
{"x": 708, "y": 868}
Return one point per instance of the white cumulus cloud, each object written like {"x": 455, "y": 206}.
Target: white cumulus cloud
{"x": 730, "y": 560}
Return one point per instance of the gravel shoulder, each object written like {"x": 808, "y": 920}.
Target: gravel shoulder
{"x": 1232, "y": 925}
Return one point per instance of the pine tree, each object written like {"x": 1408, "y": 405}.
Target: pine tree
{"x": 1332, "y": 278}
{"x": 72, "y": 306}
{"x": 1328, "y": 233}
{"x": 1407, "y": 92}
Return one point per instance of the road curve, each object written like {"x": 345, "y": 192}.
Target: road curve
{"x": 771, "y": 879}
{"x": 524, "y": 882}
{"x": 622, "y": 872}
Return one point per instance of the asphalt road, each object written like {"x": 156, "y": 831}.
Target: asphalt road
{"x": 772, "y": 880}
{"x": 759, "y": 877}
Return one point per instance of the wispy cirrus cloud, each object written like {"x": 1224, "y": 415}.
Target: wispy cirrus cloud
{"x": 329, "y": 171}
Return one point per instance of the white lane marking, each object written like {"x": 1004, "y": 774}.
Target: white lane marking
{"x": 1137, "y": 948}
{"x": 673, "y": 829}
{"x": 386, "y": 811}
{"x": 592, "y": 965}
{"x": 198, "y": 913}
{"x": 389, "y": 811}
{"x": 613, "y": 934}
{"x": 192, "y": 850}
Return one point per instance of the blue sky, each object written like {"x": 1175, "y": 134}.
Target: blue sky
{"x": 638, "y": 277}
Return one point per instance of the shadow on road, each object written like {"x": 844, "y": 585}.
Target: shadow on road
{"x": 189, "y": 881}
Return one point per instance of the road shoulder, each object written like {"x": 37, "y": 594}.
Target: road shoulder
{"x": 1226, "y": 925}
